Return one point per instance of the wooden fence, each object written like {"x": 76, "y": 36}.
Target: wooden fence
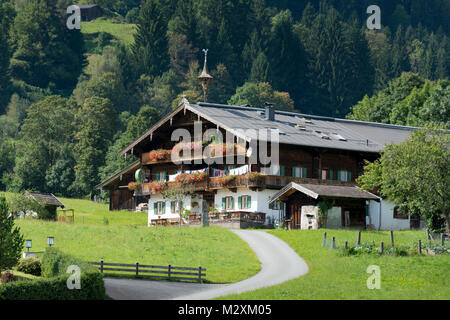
{"x": 162, "y": 272}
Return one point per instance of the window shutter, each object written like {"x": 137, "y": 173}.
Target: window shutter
{"x": 282, "y": 171}
{"x": 240, "y": 202}
{"x": 293, "y": 172}
{"x": 157, "y": 176}
{"x": 180, "y": 205}
{"x": 304, "y": 172}
{"x": 155, "y": 208}
{"x": 331, "y": 174}
{"x": 164, "y": 207}
{"x": 172, "y": 206}
{"x": 232, "y": 202}
{"x": 249, "y": 202}
{"x": 349, "y": 176}
{"x": 224, "y": 203}
{"x": 339, "y": 175}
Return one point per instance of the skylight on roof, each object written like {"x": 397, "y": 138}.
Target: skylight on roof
{"x": 338, "y": 137}
{"x": 323, "y": 135}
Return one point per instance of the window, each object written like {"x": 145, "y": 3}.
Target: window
{"x": 245, "y": 202}
{"x": 400, "y": 214}
{"x": 159, "y": 208}
{"x": 277, "y": 170}
{"x": 327, "y": 174}
{"x": 299, "y": 172}
{"x": 343, "y": 175}
{"x": 175, "y": 206}
{"x": 276, "y": 205}
{"x": 227, "y": 203}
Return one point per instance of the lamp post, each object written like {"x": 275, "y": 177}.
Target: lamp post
{"x": 28, "y": 244}
{"x": 50, "y": 241}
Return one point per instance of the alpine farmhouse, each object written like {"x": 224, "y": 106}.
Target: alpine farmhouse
{"x": 319, "y": 159}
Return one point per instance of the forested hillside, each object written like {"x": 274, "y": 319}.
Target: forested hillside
{"x": 71, "y": 99}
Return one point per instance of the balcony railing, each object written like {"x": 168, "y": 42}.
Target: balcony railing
{"x": 194, "y": 152}
{"x": 233, "y": 182}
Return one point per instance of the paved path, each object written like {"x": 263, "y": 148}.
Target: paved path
{"x": 279, "y": 263}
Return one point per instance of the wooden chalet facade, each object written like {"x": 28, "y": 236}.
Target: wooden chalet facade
{"x": 319, "y": 160}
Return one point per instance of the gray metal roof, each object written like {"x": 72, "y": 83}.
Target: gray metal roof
{"x": 358, "y": 135}
{"x": 323, "y": 190}
{"x": 295, "y": 128}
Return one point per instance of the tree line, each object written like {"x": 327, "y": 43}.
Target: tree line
{"x": 66, "y": 115}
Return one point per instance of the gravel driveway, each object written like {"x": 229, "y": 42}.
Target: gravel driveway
{"x": 279, "y": 263}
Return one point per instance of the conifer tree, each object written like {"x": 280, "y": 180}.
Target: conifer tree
{"x": 11, "y": 241}
{"x": 150, "y": 40}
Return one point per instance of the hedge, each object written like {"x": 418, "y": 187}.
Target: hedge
{"x": 55, "y": 263}
{"x": 92, "y": 288}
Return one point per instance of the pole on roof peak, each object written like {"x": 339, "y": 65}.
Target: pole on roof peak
{"x": 204, "y": 78}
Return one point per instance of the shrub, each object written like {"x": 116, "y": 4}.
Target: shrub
{"x": 92, "y": 288}
{"x": 55, "y": 263}
{"x": 401, "y": 251}
{"x": 8, "y": 277}
{"x": 30, "y": 266}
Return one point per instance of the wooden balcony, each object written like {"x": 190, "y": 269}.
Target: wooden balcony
{"x": 164, "y": 156}
{"x": 258, "y": 182}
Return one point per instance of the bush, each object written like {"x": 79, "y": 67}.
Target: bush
{"x": 92, "y": 288}
{"x": 55, "y": 263}
{"x": 30, "y": 266}
{"x": 401, "y": 251}
{"x": 8, "y": 277}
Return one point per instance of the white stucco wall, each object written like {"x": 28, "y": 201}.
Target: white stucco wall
{"x": 187, "y": 204}
{"x": 387, "y": 216}
{"x": 259, "y": 203}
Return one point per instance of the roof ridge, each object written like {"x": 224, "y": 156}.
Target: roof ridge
{"x": 316, "y": 117}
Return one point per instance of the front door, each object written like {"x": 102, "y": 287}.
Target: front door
{"x": 296, "y": 214}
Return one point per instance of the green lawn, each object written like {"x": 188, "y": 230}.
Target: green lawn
{"x": 120, "y": 31}
{"x": 335, "y": 277}
{"x": 127, "y": 239}
{"x": 226, "y": 257}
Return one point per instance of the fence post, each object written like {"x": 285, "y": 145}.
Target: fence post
{"x": 137, "y": 268}
{"x": 392, "y": 238}
{"x": 333, "y": 243}
{"x": 420, "y": 246}
{"x": 200, "y": 274}
{"x": 359, "y": 237}
{"x": 346, "y": 245}
{"x": 382, "y": 247}
{"x": 83, "y": 219}
{"x": 101, "y": 266}
{"x": 442, "y": 239}
{"x": 324, "y": 239}
{"x": 169, "y": 270}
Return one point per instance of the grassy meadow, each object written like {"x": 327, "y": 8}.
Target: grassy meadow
{"x": 122, "y": 32}
{"x": 332, "y": 276}
{"x": 125, "y": 238}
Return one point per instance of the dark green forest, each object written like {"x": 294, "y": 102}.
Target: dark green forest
{"x": 66, "y": 113}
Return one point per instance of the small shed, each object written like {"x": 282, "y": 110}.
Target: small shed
{"x": 50, "y": 202}
{"x": 90, "y": 11}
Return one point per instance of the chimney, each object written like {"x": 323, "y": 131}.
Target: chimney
{"x": 270, "y": 112}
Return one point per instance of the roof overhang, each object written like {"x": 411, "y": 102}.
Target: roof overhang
{"x": 182, "y": 107}
{"x": 323, "y": 190}
{"x": 135, "y": 165}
